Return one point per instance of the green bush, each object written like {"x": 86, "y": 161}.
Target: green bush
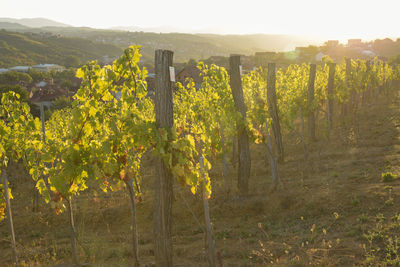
{"x": 24, "y": 95}
{"x": 382, "y": 247}
{"x": 61, "y": 103}
{"x": 388, "y": 177}
{"x": 14, "y": 77}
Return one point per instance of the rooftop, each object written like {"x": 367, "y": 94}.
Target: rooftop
{"x": 20, "y": 68}
{"x": 43, "y": 65}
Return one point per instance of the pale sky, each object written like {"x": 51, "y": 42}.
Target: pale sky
{"x": 338, "y": 19}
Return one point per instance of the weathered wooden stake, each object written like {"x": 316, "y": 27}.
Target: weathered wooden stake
{"x": 330, "y": 100}
{"x": 311, "y": 90}
{"x": 369, "y": 85}
{"x": 352, "y": 90}
{"x": 272, "y": 158}
{"x": 228, "y": 184}
{"x": 358, "y": 94}
{"x": 9, "y": 216}
{"x": 243, "y": 139}
{"x": 135, "y": 247}
{"x": 377, "y": 86}
{"x": 210, "y": 245}
{"x": 35, "y": 206}
{"x": 302, "y": 133}
{"x": 384, "y": 84}
{"x": 273, "y": 110}
{"x": 367, "y": 88}
{"x": 75, "y": 257}
{"x": 345, "y": 104}
{"x": 164, "y": 178}
{"x": 234, "y": 151}
{"x": 42, "y": 121}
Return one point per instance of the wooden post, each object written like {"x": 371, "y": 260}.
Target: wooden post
{"x": 9, "y": 216}
{"x": 366, "y": 88}
{"x": 135, "y": 247}
{"x": 376, "y": 85}
{"x": 35, "y": 204}
{"x": 75, "y": 256}
{"x": 360, "y": 86}
{"x": 369, "y": 85}
{"x": 348, "y": 71}
{"x": 210, "y": 245}
{"x": 273, "y": 110}
{"x": 243, "y": 139}
{"x": 164, "y": 179}
{"x": 42, "y": 121}
{"x": 330, "y": 100}
{"x": 345, "y": 105}
{"x": 352, "y": 90}
{"x": 234, "y": 151}
{"x": 302, "y": 133}
{"x": 384, "y": 84}
{"x": 311, "y": 89}
{"x": 272, "y": 159}
{"x": 227, "y": 180}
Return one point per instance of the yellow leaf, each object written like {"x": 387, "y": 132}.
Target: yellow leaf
{"x": 193, "y": 190}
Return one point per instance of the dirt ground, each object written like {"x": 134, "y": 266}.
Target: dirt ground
{"x": 318, "y": 218}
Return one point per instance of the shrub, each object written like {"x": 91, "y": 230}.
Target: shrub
{"x": 388, "y": 177}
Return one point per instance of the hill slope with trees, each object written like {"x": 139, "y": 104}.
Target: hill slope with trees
{"x": 30, "y": 49}
{"x": 185, "y": 45}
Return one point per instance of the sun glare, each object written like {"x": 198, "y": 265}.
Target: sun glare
{"x": 332, "y": 19}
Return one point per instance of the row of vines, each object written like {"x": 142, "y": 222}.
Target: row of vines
{"x": 101, "y": 140}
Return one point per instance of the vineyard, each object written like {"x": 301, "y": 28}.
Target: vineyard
{"x": 280, "y": 166}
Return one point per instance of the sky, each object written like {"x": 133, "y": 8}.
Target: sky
{"x": 339, "y": 19}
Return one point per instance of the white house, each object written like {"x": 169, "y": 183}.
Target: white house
{"x": 368, "y": 53}
{"x": 319, "y": 56}
{"x": 41, "y": 84}
{"x": 20, "y": 68}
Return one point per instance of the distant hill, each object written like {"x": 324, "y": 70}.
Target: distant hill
{"x": 260, "y": 42}
{"x": 240, "y": 42}
{"x": 162, "y": 29}
{"x": 10, "y": 26}
{"x": 35, "y": 22}
{"x": 30, "y": 48}
{"x": 184, "y": 45}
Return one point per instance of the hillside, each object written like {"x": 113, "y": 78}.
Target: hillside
{"x": 327, "y": 208}
{"x": 11, "y": 26}
{"x": 35, "y": 22}
{"x": 29, "y": 49}
{"x": 185, "y": 45}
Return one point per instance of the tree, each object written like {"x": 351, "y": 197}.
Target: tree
{"x": 61, "y": 103}
{"x": 191, "y": 62}
{"x": 395, "y": 60}
{"x": 24, "y": 96}
{"x": 14, "y": 77}
{"x": 72, "y": 61}
{"x": 38, "y": 76}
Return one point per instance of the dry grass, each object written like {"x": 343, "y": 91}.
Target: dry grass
{"x": 318, "y": 218}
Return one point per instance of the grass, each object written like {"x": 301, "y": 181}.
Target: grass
{"x": 383, "y": 239}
